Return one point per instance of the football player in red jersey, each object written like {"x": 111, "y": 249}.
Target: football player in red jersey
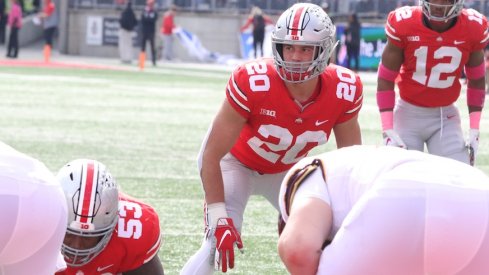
{"x": 108, "y": 232}
{"x": 275, "y": 112}
{"x": 427, "y": 48}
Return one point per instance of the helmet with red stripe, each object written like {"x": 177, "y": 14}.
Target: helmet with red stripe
{"x": 303, "y": 24}
{"x": 92, "y": 196}
{"x": 441, "y": 11}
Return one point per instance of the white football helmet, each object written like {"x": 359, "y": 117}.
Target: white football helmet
{"x": 92, "y": 196}
{"x": 303, "y": 24}
{"x": 441, "y": 12}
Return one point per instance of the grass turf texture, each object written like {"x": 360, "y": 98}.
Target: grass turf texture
{"x": 147, "y": 128}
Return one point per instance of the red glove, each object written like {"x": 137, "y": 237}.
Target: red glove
{"x": 225, "y": 236}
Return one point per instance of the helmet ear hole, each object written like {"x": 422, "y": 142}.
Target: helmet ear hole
{"x": 280, "y": 50}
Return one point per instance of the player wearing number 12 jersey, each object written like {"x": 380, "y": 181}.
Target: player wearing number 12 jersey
{"x": 275, "y": 111}
{"x": 108, "y": 232}
{"x": 428, "y": 47}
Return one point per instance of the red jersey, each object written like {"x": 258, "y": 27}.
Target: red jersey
{"x": 135, "y": 241}
{"x": 168, "y": 24}
{"x": 433, "y": 62}
{"x": 278, "y": 132}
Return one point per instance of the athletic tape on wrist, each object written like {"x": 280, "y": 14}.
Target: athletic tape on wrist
{"x": 476, "y": 97}
{"x": 474, "y": 120}
{"x": 215, "y": 211}
{"x": 475, "y": 72}
{"x": 387, "y": 74}
{"x": 387, "y": 120}
{"x": 386, "y": 100}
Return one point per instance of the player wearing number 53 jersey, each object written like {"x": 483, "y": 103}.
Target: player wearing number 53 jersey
{"x": 275, "y": 111}
{"x": 429, "y": 46}
{"x": 108, "y": 232}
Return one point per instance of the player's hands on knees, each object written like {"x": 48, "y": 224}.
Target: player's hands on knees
{"x": 224, "y": 237}
{"x": 391, "y": 138}
{"x": 472, "y": 144}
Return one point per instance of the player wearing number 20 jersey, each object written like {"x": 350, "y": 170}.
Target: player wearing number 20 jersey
{"x": 433, "y": 62}
{"x": 281, "y": 131}
{"x": 275, "y": 111}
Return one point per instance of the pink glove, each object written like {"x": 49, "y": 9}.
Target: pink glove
{"x": 225, "y": 236}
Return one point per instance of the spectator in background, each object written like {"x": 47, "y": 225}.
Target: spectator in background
{"x": 14, "y": 23}
{"x": 49, "y": 18}
{"x": 127, "y": 23}
{"x": 167, "y": 27}
{"x": 352, "y": 41}
{"x": 21, "y": 4}
{"x": 259, "y": 20}
{"x": 36, "y": 5}
{"x": 148, "y": 23}
{"x": 3, "y": 21}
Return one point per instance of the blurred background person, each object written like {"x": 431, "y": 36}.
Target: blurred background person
{"x": 49, "y": 18}
{"x": 36, "y": 6}
{"x": 167, "y": 27}
{"x": 14, "y": 23}
{"x": 3, "y": 21}
{"x": 127, "y": 23}
{"x": 352, "y": 41}
{"x": 258, "y": 20}
{"x": 148, "y": 26}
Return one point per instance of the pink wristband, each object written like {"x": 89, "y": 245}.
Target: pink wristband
{"x": 476, "y": 97}
{"x": 387, "y": 74}
{"x": 387, "y": 120}
{"x": 475, "y": 72}
{"x": 386, "y": 100}
{"x": 474, "y": 120}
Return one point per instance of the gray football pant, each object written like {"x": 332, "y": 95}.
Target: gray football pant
{"x": 240, "y": 183}
{"x": 439, "y": 128}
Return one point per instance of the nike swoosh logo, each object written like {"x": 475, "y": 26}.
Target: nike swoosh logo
{"x": 99, "y": 269}
{"x": 450, "y": 117}
{"x": 226, "y": 233}
{"x": 456, "y": 42}
{"x": 318, "y": 123}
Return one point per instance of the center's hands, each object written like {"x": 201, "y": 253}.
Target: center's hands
{"x": 224, "y": 236}
{"x": 391, "y": 138}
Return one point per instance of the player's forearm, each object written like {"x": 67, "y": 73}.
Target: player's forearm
{"x": 212, "y": 181}
{"x": 476, "y": 93}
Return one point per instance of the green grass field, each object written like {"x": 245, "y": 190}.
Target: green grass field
{"x": 147, "y": 127}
